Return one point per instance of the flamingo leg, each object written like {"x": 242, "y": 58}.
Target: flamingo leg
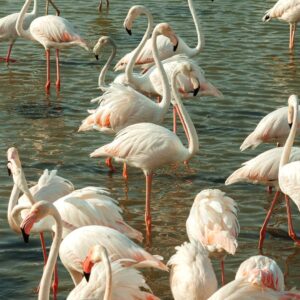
{"x": 291, "y": 230}
{"x": 222, "y": 271}
{"x": 108, "y": 162}
{"x": 263, "y": 229}
{"x": 292, "y": 35}
{"x": 53, "y": 5}
{"x": 47, "y": 86}
{"x": 57, "y": 71}
{"x": 7, "y": 59}
{"x": 100, "y": 6}
{"x": 43, "y": 247}
{"x": 174, "y": 120}
{"x": 148, "y": 219}
{"x": 125, "y": 173}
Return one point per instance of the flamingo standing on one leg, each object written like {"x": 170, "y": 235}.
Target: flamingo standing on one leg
{"x": 286, "y": 10}
{"x": 149, "y": 146}
{"x": 51, "y": 32}
{"x": 213, "y": 222}
{"x": 192, "y": 275}
{"x": 289, "y": 176}
{"x": 79, "y": 250}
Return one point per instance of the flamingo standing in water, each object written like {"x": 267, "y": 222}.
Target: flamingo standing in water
{"x": 286, "y": 10}
{"x": 213, "y": 222}
{"x": 149, "y": 146}
{"x": 165, "y": 48}
{"x": 79, "y": 250}
{"x": 51, "y": 32}
{"x": 8, "y": 30}
{"x": 192, "y": 275}
{"x": 118, "y": 280}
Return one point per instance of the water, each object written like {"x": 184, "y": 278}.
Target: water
{"x": 247, "y": 60}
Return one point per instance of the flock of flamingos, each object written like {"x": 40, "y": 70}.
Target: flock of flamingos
{"x": 89, "y": 234}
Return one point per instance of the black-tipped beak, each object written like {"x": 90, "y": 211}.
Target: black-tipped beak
{"x": 128, "y": 31}
{"x": 175, "y": 47}
{"x": 97, "y": 57}
{"x": 87, "y": 276}
{"x": 290, "y": 124}
{"x": 25, "y": 236}
{"x": 196, "y": 91}
{"x": 9, "y": 171}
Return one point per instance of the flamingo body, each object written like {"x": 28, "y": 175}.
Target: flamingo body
{"x": 75, "y": 247}
{"x": 192, "y": 275}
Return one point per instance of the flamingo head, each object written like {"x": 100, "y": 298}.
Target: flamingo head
{"x": 132, "y": 14}
{"x": 102, "y": 42}
{"x": 93, "y": 256}
{"x": 166, "y": 30}
{"x": 37, "y": 212}
{"x": 292, "y": 105}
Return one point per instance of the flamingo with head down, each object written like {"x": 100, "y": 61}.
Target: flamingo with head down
{"x": 51, "y": 32}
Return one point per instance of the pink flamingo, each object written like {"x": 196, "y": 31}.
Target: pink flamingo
{"x": 51, "y": 32}
{"x": 271, "y": 128}
{"x": 263, "y": 169}
{"x": 192, "y": 275}
{"x": 165, "y": 48}
{"x": 41, "y": 210}
{"x": 79, "y": 250}
{"x": 213, "y": 222}
{"x": 288, "y": 11}
{"x": 149, "y": 146}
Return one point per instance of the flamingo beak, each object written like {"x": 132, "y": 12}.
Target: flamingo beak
{"x": 87, "y": 276}
{"x": 97, "y": 56}
{"x": 196, "y": 90}
{"x": 128, "y": 31}
{"x": 175, "y": 47}
{"x": 291, "y": 124}
{"x": 9, "y": 170}
{"x": 25, "y": 235}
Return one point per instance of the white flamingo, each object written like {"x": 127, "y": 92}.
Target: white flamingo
{"x": 192, "y": 275}
{"x": 50, "y": 32}
{"x": 213, "y": 222}
{"x": 165, "y": 48}
{"x": 271, "y": 128}
{"x": 288, "y": 11}
{"x": 117, "y": 283}
{"x": 79, "y": 250}
{"x": 263, "y": 169}
{"x": 149, "y": 146}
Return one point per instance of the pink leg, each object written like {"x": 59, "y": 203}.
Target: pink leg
{"x": 43, "y": 247}
{"x": 269, "y": 189}
{"x": 108, "y": 162}
{"x": 292, "y": 232}
{"x": 125, "y": 174}
{"x": 47, "y": 86}
{"x": 264, "y": 226}
{"x": 174, "y": 120}
{"x": 292, "y": 35}
{"x": 7, "y": 59}
{"x": 147, "y": 206}
{"x": 57, "y": 71}
{"x": 222, "y": 271}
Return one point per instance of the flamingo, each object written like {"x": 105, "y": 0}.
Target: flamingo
{"x": 50, "y": 187}
{"x": 79, "y": 250}
{"x": 288, "y": 11}
{"x": 192, "y": 275}
{"x": 288, "y": 176}
{"x": 272, "y": 127}
{"x": 118, "y": 284}
{"x": 165, "y": 48}
{"x": 213, "y": 222}
{"x": 149, "y": 146}
{"x": 263, "y": 169}
{"x": 259, "y": 277}
{"x": 51, "y": 32}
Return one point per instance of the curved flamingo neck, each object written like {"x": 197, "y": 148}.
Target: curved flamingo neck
{"x": 129, "y": 78}
{"x": 166, "y": 97}
{"x": 290, "y": 140}
{"x": 108, "y": 275}
{"x": 192, "y": 134}
{"x": 45, "y": 283}
{"x": 19, "y": 25}
{"x": 200, "y": 35}
{"x": 102, "y": 75}
{"x": 35, "y": 8}
{"x": 13, "y": 200}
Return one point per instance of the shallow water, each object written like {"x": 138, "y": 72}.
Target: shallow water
{"x": 247, "y": 60}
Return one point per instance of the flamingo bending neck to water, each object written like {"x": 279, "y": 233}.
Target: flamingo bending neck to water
{"x": 149, "y": 146}
{"x": 51, "y": 32}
